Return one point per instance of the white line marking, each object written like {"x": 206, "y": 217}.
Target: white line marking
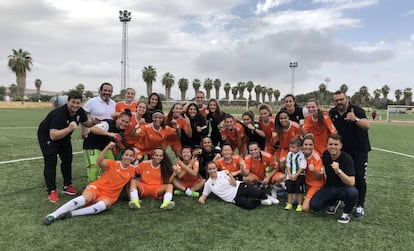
{"x": 388, "y": 151}
{"x": 19, "y": 160}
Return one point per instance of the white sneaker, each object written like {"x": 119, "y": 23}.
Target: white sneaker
{"x": 266, "y": 202}
{"x": 274, "y": 200}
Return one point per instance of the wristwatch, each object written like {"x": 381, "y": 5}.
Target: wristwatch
{"x": 356, "y": 120}
{"x": 339, "y": 172}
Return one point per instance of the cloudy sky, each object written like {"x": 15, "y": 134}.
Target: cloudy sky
{"x": 357, "y": 42}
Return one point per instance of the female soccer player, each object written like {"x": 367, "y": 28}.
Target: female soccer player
{"x": 216, "y": 119}
{"x": 198, "y": 127}
{"x": 233, "y": 163}
{"x": 173, "y": 118}
{"x": 156, "y": 176}
{"x": 137, "y": 120}
{"x": 128, "y": 103}
{"x": 233, "y": 133}
{"x": 154, "y": 103}
{"x": 252, "y": 130}
{"x": 208, "y": 153}
{"x": 102, "y": 193}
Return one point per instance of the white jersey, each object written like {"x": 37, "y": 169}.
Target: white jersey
{"x": 221, "y": 187}
{"x": 97, "y": 108}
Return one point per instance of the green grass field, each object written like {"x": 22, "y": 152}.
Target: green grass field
{"x": 388, "y": 224}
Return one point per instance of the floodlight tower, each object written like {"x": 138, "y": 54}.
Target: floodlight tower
{"x": 124, "y": 17}
{"x": 293, "y": 65}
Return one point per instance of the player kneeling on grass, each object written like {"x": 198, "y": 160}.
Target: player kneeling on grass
{"x": 155, "y": 180}
{"x": 223, "y": 184}
{"x": 102, "y": 193}
{"x": 186, "y": 180}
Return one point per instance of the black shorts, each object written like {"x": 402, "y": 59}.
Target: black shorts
{"x": 297, "y": 186}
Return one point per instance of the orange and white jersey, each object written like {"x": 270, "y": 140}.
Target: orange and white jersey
{"x": 258, "y": 166}
{"x": 320, "y": 134}
{"x": 315, "y": 160}
{"x": 233, "y": 165}
{"x": 149, "y": 175}
{"x": 122, "y": 105}
{"x": 114, "y": 178}
{"x": 233, "y": 136}
{"x": 148, "y": 138}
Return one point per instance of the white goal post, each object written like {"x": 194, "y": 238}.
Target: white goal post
{"x": 400, "y": 113}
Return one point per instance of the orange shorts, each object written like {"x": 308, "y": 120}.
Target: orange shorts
{"x": 99, "y": 194}
{"x": 310, "y": 191}
{"x": 147, "y": 190}
{"x": 190, "y": 183}
{"x": 279, "y": 176}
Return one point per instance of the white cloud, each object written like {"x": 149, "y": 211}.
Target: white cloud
{"x": 269, "y": 4}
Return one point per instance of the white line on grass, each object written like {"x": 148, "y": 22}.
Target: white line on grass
{"x": 388, "y": 151}
{"x": 19, "y": 160}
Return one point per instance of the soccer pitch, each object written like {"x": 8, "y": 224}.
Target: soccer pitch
{"x": 387, "y": 225}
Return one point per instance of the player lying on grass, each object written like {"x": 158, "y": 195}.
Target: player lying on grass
{"x": 101, "y": 194}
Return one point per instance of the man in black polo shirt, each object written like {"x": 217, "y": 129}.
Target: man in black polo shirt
{"x": 352, "y": 124}
{"x": 54, "y": 139}
{"x": 340, "y": 180}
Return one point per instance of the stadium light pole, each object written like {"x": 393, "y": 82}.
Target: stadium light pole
{"x": 293, "y": 65}
{"x": 124, "y": 17}
{"x": 327, "y": 80}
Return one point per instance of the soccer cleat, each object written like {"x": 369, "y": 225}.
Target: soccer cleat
{"x": 65, "y": 216}
{"x": 299, "y": 208}
{"x": 359, "y": 212}
{"x": 178, "y": 192}
{"x": 344, "y": 218}
{"x": 69, "y": 190}
{"x": 53, "y": 196}
{"x": 332, "y": 209}
{"x": 274, "y": 200}
{"x": 195, "y": 194}
{"x": 49, "y": 219}
{"x": 288, "y": 206}
{"x": 266, "y": 202}
{"x": 168, "y": 204}
{"x": 134, "y": 204}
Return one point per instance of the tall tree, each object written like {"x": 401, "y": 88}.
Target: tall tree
{"x": 227, "y": 88}
{"x": 196, "y": 86}
{"x": 149, "y": 75}
{"x": 322, "y": 90}
{"x": 270, "y": 94}
{"x": 13, "y": 91}
{"x": 398, "y": 93}
{"x": 241, "y": 87}
{"x": 80, "y": 88}
{"x": 258, "y": 91}
{"x": 234, "y": 91}
{"x": 377, "y": 94}
{"x": 408, "y": 94}
{"x": 168, "y": 81}
{"x": 183, "y": 86}
{"x": 38, "y": 84}
{"x": 249, "y": 88}
{"x": 208, "y": 85}
{"x": 343, "y": 88}
{"x": 19, "y": 63}
{"x": 276, "y": 94}
{"x": 385, "y": 90}
{"x": 217, "y": 85}
{"x": 264, "y": 91}
{"x": 363, "y": 91}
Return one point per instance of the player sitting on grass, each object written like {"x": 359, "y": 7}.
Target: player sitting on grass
{"x": 102, "y": 193}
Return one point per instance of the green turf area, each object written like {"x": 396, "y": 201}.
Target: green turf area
{"x": 388, "y": 224}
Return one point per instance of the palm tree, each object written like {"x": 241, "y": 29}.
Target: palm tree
{"x": 270, "y": 94}
{"x": 217, "y": 85}
{"x": 168, "y": 81}
{"x": 322, "y": 90}
{"x": 264, "y": 91}
{"x": 398, "y": 93}
{"x": 80, "y": 88}
{"x": 149, "y": 75}
{"x": 183, "y": 86}
{"x": 234, "y": 91}
{"x": 276, "y": 94}
{"x": 208, "y": 85}
{"x": 377, "y": 94}
{"x": 241, "y": 87}
{"x": 258, "y": 91}
{"x": 249, "y": 87}
{"x": 227, "y": 88}
{"x": 13, "y": 90}
{"x": 363, "y": 91}
{"x": 343, "y": 88}
{"x": 19, "y": 63}
{"x": 385, "y": 90}
{"x": 196, "y": 86}
{"x": 408, "y": 94}
{"x": 38, "y": 83}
